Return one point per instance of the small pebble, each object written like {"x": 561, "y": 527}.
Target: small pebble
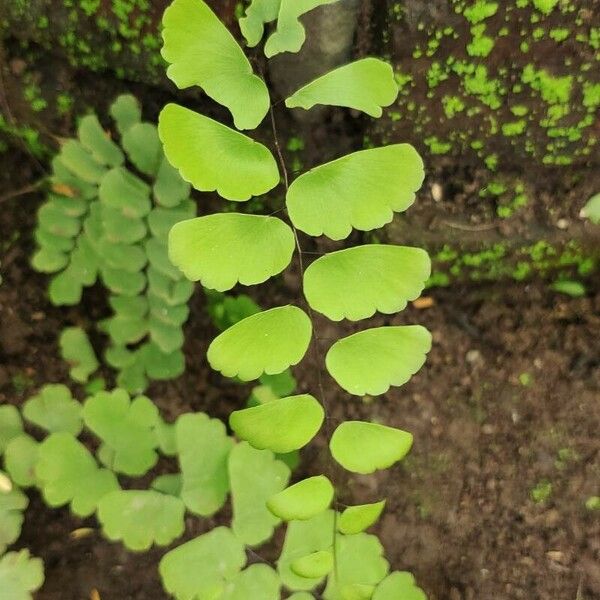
{"x": 473, "y": 356}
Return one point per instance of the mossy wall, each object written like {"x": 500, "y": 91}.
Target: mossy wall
{"x": 500, "y": 83}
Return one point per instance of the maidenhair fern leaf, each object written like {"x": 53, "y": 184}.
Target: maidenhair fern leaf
{"x": 169, "y": 484}
{"x": 20, "y": 575}
{"x": 303, "y": 538}
{"x": 76, "y": 349}
{"x": 203, "y": 448}
{"x": 360, "y": 190}
{"x": 252, "y": 25}
{"x": 20, "y": 459}
{"x": 267, "y": 342}
{"x": 290, "y": 33}
{"x": 363, "y": 447}
{"x": 98, "y": 143}
{"x": 126, "y": 112}
{"x": 160, "y": 365}
{"x": 370, "y": 361}
{"x": 67, "y": 472}
{"x": 81, "y": 163}
{"x": 356, "y": 519}
{"x": 223, "y": 249}
{"x": 360, "y": 566}
{"x": 303, "y": 500}
{"x": 202, "y": 567}
{"x": 356, "y": 282}
{"x": 257, "y": 582}
{"x": 11, "y": 425}
{"x": 313, "y": 566}
{"x": 399, "y": 584}
{"x": 281, "y": 425}
{"x": 125, "y": 428}
{"x": 366, "y": 85}
{"x": 143, "y": 147}
{"x": 255, "y": 476}
{"x": 212, "y": 156}
{"x": 201, "y": 51}
{"x": 12, "y": 504}
{"x": 123, "y": 191}
{"x": 169, "y": 188}
{"x": 140, "y": 518}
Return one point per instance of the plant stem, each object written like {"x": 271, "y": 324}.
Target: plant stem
{"x": 315, "y": 342}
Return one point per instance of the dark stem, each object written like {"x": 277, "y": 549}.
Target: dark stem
{"x": 316, "y": 350}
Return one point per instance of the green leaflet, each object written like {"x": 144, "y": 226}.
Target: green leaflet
{"x": 255, "y": 476}
{"x": 356, "y": 519}
{"x": 303, "y": 500}
{"x": 252, "y": 25}
{"x": 142, "y": 145}
{"x": 201, "y": 568}
{"x": 169, "y": 188}
{"x": 258, "y": 582}
{"x": 591, "y": 210}
{"x": 205, "y": 481}
{"x": 11, "y": 425}
{"x": 67, "y": 472}
{"x": 76, "y": 349}
{"x": 201, "y": 51}
{"x": 54, "y": 409}
{"x": 204, "y": 151}
{"x": 313, "y": 566}
{"x": 53, "y": 219}
{"x": 223, "y": 249}
{"x": 161, "y": 220}
{"x": 20, "y": 575}
{"x": 12, "y": 505}
{"x": 370, "y": 361}
{"x": 366, "y": 85}
{"x": 140, "y": 518}
{"x": 290, "y": 33}
{"x": 168, "y": 337}
{"x": 126, "y": 429}
{"x": 63, "y": 176}
{"x": 126, "y": 112}
{"x": 360, "y": 567}
{"x": 267, "y": 342}
{"x": 225, "y": 310}
{"x": 360, "y": 190}
{"x": 363, "y": 447}
{"x": 281, "y": 425}
{"x": 355, "y": 283}
{"x": 166, "y": 437}
{"x": 302, "y": 538}
{"x": 399, "y": 584}
{"x": 160, "y": 365}
{"x": 96, "y": 141}
{"x": 116, "y": 228}
{"x": 81, "y": 163}
{"x": 123, "y": 191}
{"x": 123, "y": 257}
{"x": 169, "y": 484}
{"x": 20, "y": 459}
